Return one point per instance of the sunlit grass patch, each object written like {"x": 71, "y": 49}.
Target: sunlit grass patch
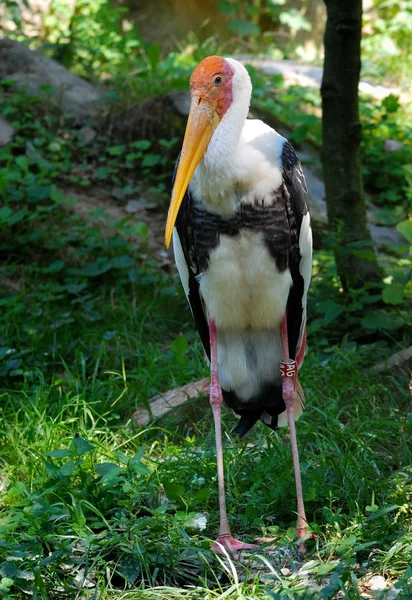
{"x": 87, "y": 498}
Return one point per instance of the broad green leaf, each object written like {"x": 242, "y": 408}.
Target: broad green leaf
{"x": 103, "y": 468}
{"x": 141, "y": 144}
{"x": 310, "y": 493}
{"x": 22, "y": 163}
{"x": 19, "y": 215}
{"x": 381, "y": 319}
{"x": 383, "y": 511}
{"x": 244, "y": 28}
{"x": 391, "y": 103}
{"x": 151, "y": 160}
{"x": 169, "y": 143}
{"x": 8, "y": 570}
{"x": 300, "y": 132}
{"x": 81, "y": 446}
{"x": 201, "y": 497}
{"x": 6, "y": 583}
{"x": 5, "y": 213}
{"x": 102, "y": 173}
{"x": 291, "y": 533}
{"x": 326, "y": 568}
{"x": 193, "y": 521}
{"x": 55, "y": 267}
{"x": 109, "y": 472}
{"x": 294, "y": 20}
{"x": 52, "y": 470}
{"x": 69, "y": 468}
{"x": 122, "y": 262}
{"x": 129, "y": 568}
{"x": 227, "y": 8}
{"x": 140, "y": 229}
{"x": 252, "y": 11}
{"x": 365, "y": 254}
{"x": 388, "y": 216}
{"x": 393, "y": 294}
{"x": 121, "y": 457}
{"x": 331, "y": 310}
{"x": 92, "y": 269}
{"x": 174, "y": 491}
{"x": 60, "y": 453}
{"x": 139, "y": 454}
{"x": 116, "y": 150}
{"x": 153, "y": 53}
{"x": 405, "y": 228}
{"x": 136, "y": 465}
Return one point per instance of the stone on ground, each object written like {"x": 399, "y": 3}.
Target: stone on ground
{"x": 31, "y": 70}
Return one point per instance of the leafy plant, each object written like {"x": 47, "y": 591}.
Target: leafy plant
{"x": 244, "y": 20}
{"x": 386, "y": 172}
{"x": 386, "y": 47}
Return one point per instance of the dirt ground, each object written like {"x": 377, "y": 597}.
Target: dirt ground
{"x": 111, "y": 211}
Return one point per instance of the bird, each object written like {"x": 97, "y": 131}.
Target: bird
{"x": 242, "y": 242}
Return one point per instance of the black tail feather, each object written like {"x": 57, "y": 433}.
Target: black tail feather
{"x": 246, "y": 422}
{"x": 269, "y": 400}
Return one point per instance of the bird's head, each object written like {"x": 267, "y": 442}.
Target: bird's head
{"x": 215, "y": 85}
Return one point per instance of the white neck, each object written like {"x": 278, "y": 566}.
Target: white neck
{"x": 214, "y": 181}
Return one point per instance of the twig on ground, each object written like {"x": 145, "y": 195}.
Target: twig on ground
{"x": 161, "y": 404}
{"x": 397, "y": 360}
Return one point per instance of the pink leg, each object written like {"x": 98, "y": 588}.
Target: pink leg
{"x": 225, "y": 538}
{"x": 288, "y": 372}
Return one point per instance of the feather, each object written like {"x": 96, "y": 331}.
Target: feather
{"x": 246, "y": 265}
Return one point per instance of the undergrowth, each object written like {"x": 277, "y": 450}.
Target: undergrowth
{"x": 89, "y": 503}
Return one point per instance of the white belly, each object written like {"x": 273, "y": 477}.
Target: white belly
{"x": 242, "y": 288}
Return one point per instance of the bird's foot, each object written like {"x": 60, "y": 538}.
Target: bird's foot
{"x": 304, "y": 532}
{"x": 228, "y": 543}
{"x": 303, "y": 535}
{"x": 269, "y": 543}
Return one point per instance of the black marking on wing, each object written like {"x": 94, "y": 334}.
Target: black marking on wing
{"x": 185, "y": 229}
{"x": 270, "y": 218}
{"x": 296, "y": 194}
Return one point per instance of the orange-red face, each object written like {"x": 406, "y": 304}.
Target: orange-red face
{"x": 211, "y": 92}
{"x": 211, "y": 81}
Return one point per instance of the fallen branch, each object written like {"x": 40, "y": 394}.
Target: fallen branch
{"x": 163, "y": 403}
{"x": 397, "y": 360}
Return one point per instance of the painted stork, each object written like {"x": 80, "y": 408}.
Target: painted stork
{"x": 243, "y": 248}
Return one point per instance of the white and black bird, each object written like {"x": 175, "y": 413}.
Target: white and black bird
{"x": 243, "y": 248}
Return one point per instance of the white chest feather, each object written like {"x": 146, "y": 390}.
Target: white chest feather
{"x": 251, "y": 170}
{"x": 241, "y": 287}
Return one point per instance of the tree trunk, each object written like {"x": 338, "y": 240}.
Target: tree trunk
{"x": 341, "y": 144}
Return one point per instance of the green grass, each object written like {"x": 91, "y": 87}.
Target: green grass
{"x": 84, "y": 493}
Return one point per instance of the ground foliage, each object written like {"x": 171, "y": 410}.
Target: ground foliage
{"x": 386, "y": 45}
{"x": 91, "y": 327}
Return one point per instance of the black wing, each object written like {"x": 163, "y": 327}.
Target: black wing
{"x": 300, "y": 254}
{"x": 187, "y": 265}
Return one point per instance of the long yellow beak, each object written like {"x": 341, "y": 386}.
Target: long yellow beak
{"x": 203, "y": 120}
